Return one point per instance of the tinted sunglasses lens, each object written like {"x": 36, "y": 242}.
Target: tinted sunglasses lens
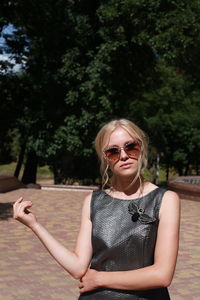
{"x": 133, "y": 149}
{"x": 112, "y": 153}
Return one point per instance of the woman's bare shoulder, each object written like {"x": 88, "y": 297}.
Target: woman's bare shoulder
{"x": 86, "y": 205}
{"x": 149, "y": 187}
{"x": 171, "y": 202}
{"x": 87, "y": 198}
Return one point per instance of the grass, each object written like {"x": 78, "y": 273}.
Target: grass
{"x": 44, "y": 175}
{"x": 8, "y": 169}
{"x": 162, "y": 176}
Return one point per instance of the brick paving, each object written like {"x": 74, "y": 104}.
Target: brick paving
{"x": 28, "y": 272}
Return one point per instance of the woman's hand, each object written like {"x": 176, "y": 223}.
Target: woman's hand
{"x": 22, "y": 213}
{"x": 89, "y": 281}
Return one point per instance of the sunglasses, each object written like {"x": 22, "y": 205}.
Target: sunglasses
{"x": 132, "y": 149}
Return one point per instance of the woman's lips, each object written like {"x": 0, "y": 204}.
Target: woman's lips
{"x": 126, "y": 165}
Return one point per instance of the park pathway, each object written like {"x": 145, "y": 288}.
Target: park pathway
{"x": 27, "y": 271}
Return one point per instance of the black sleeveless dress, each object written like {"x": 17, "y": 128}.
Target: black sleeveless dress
{"x": 123, "y": 238}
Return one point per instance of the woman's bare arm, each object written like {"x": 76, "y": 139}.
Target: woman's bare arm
{"x": 161, "y": 272}
{"x": 75, "y": 262}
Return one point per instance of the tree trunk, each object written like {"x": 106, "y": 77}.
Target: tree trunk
{"x": 186, "y": 169}
{"x": 180, "y": 171}
{"x": 197, "y": 169}
{"x": 20, "y": 160}
{"x": 30, "y": 170}
{"x": 59, "y": 178}
{"x": 62, "y": 167}
{"x": 157, "y": 167}
{"x": 167, "y": 172}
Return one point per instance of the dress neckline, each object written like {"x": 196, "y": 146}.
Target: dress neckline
{"x": 134, "y": 199}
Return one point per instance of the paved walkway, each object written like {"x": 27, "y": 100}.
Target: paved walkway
{"x": 27, "y": 271}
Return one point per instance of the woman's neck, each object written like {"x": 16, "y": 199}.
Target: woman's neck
{"x": 128, "y": 186}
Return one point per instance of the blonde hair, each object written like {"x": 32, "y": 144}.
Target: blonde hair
{"x": 101, "y": 142}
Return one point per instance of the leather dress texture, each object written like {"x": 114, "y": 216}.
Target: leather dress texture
{"x": 123, "y": 238}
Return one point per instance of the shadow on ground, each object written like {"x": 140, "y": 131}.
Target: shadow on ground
{"x": 6, "y": 211}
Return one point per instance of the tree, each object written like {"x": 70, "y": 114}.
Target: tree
{"x": 39, "y": 40}
{"x": 171, "y": 115}
{"x": 90, "y": 61}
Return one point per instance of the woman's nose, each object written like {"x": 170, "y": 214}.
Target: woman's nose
{"x": 123, "y": 155}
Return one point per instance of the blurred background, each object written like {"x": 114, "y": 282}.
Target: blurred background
{"x": 67, "y": 67}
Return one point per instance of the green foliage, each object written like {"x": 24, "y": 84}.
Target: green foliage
{"x": 171, "y": 115}
{"x": 91, "y": 61}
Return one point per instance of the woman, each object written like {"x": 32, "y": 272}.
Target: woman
{"x": 128, "y": 240}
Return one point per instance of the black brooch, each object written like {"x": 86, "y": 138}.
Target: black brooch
{"x": 138, "y": 214}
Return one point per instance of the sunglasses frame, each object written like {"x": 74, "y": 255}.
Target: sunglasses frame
{"x": 137, "y": 142}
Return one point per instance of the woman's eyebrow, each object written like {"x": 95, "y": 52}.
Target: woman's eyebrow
{"x": 110, "y": 146}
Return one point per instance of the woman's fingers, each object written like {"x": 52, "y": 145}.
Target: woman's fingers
{"x": 20, "y": 207}
{"x": 26, "y": 204}
{"x": 16, "y": 204}
{"x": 18, "y": 201}
{"x": 81, "y": 288}
{"x": 22, "y": 213}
